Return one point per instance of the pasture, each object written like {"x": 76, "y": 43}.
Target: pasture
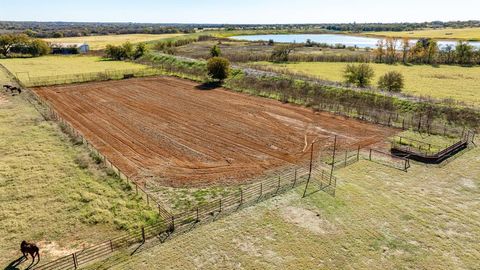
{"x": 51, "y": 190}
{"x": 100, "y": 42}
{"x": 381, "y": 218}
{"x": 184, "y": 136}
{"x": 440, "y": 82}
{"x": 26, "y": 68}
{"x": 471, "y": 34}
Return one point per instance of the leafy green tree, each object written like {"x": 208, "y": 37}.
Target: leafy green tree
{"x": 391, "y": 81}
{"x": 464, "y": 53}
{"x": 215, "y": 51}
{"x": 125, "y": 51}
{"x": 359, "y": 75}
{"x": 38, "y": 47}
{"x": 7, "y": 42}
{"x": 115, "y": 52}
{"x": 218, "y": 68}
{"x": 30, "y": 33}
{"x": 425, "y": 51}
{"x": 140, "y": 50}
{"x": 58, "y": 35}
{"x": 128, "y": 50}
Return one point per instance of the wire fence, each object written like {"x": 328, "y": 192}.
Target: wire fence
{"x": 347, "y": 157}
{"x": 106, "y": 75}
{"x": 321, "y": 179}
{"x": 430, "y": 153}
{"x": 244, "y": 196}
{"x": 175, "y": 222}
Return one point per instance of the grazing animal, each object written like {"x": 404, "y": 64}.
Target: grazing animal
{"x": 13, "y": 89}
{"x": 7, "y": 87}
{"x": 30, "y": 248}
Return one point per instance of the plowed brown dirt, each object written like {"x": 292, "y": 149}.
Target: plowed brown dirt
{"x": 168, "y": 128}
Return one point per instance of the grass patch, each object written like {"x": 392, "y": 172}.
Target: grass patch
{"x": 381, "y": 218}
{"x": 426, "y": 142}
{"x": 441, "y": 82}
{"x": 472, "y": 33}
{"x": 100, "y": 42}
{"x": 52, "y": 192}
{"x": 24, "y": 68}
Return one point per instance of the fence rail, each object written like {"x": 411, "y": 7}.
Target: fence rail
{"x": 203, "y": 213}
{"x": 106, "y": 75}
{"x": 424, "y": 152}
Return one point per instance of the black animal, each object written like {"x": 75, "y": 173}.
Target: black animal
{"x": 7, "y": 87}
{"x": 15, "y": 89}
{"x": 30, "y": 248}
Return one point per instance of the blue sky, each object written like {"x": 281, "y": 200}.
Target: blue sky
{"x": 239, "y": 11}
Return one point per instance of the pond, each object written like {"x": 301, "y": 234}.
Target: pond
{"x": 333, "y": 39}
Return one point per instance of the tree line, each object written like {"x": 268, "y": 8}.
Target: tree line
{"x": 425, "y": 51}
{"x": 78, "y": 29}
{"x": 12, "y": 45}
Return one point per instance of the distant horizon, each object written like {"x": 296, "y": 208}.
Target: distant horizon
{"x": 232, "y": 13}
{"x": 206, "y": 23}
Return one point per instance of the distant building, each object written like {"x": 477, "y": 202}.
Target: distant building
{"x": 69, "y": 48}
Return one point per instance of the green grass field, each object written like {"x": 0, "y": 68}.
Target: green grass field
{"x": 442, "y": 82}
{"x": 52, "y": 192}
{"x": 426, "y": 143}
{"x": 381, "y": 218}
{"x": 24, "y": 68}
{"x": 472, "y": 34}
{"x": 100, "y": 42}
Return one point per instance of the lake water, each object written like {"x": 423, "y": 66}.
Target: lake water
{"x": 360, "y": 42}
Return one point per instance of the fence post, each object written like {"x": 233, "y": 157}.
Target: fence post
{"x": 74, "y": 257}
{"x": 358, "y": 153}
{"x": 220, "y": 205}
{"x": 143, "y": 234}
{"x": 241, "y": 196}
{"x": 310, "y": 168}
{"x": 294, "y": 178}
{"x": 370, "y": 155}
{"x": 136, "y": 188}
{"x": 346, "y": 156}
{"x": 111, "y": 245}
{"x": 261, "y": 190}
{"x": 198, "y": 219}
{"x": 172, "y": 226}
{"x": 278, "y": 188}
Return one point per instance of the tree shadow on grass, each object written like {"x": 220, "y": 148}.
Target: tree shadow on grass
{"x": 209, "y": 86}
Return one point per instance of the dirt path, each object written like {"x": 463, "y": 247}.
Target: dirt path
{"x": 166, "y": 127}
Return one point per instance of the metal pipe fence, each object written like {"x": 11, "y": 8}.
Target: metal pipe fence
{"x": 202, "y": 213}
{"x": 89, "y": 77}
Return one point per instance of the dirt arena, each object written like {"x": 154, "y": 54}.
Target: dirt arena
{"x": 168, "y": 128}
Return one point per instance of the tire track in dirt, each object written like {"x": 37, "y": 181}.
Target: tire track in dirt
{"x": 167, "y": 127}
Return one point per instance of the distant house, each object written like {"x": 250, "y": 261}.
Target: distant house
{"x": 69, "y": 48}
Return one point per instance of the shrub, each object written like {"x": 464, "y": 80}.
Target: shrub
{"x": 391, "y": 81}
{"x": 281, "y": 52}
{"x": 218, "y": 68}
{"x": 115, "y": 52}
{"x": 359, "y": 75}
{"x": 22, "y": 44}
{"x": 125, "y": 51}
{"x": 215, "y": 51}
{"x": 140, "y": 50}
